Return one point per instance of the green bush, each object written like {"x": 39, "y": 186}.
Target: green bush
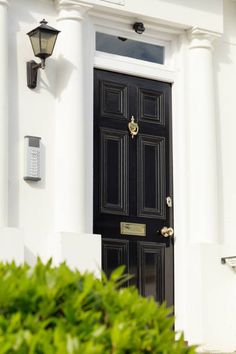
{"x": 54, "y": 310}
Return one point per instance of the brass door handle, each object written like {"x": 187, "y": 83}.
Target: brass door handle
{"x": 167, "y": 231}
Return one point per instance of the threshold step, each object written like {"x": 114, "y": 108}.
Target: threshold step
{"x": 216, "y": 352}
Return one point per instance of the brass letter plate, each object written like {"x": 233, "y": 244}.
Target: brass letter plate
{"x": 134, "y": 229}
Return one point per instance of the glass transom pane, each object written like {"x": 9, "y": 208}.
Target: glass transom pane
{"x": 129, "y": 48}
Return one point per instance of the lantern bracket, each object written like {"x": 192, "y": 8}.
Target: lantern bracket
{"x": 32, "y": 72}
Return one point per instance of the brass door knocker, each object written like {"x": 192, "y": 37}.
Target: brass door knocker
{"x": 133, "y": 127}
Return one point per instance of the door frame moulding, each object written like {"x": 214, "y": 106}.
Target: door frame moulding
{"x": 154, "y": 34}
{"x": 133, "y": 67}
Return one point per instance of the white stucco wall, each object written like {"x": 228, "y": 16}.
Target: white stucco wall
{"x": 31, "y": 112}
{"x": 205, "y": 289}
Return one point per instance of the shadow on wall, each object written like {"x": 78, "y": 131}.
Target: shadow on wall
{"x": 64, "y": 69}
{"x": 54, "y": 66}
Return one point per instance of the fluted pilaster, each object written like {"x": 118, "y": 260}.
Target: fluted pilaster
{"x": 203, "y": 181}
{"x": 70, "y": 194}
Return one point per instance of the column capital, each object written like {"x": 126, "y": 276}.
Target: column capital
{"x": 4, "y": 2}
{"x": 71, "y": 9}
{"x": 201, "y": 38}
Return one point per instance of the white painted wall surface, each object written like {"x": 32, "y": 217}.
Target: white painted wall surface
{"x": 31, "y": 112}
{"x": 82, "y": 252}
{"x": 205, "y": 289}
{"x": 11, "y": 245}
{"x": 79, "y": 251}
{"x": 209, "y": 298}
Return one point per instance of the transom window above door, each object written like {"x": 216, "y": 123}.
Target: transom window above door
{"x": 130, "y": 48}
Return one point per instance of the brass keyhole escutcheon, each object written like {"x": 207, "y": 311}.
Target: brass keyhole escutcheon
{"x": 133, "y": 127}
{"x": 167, "y": 231}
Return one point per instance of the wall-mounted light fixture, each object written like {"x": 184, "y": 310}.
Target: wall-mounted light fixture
{"x": 43, "y": 39}
{"x": 139, "y": 27}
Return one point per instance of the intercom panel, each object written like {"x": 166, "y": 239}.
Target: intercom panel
{"x": 32, "y": 158}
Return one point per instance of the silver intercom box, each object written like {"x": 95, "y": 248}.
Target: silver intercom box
{"x": 32, "y": 158}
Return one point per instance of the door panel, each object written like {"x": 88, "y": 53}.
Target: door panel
{"x": 114, "y": 100}
{"x": 114, "y": 254}
{"x": 152, "y": 270}
{"x": 132, "y": 179}
{"x": 151, "y": 176}
{"x": 114, "y": 171}
{"x": 151, "y": 107}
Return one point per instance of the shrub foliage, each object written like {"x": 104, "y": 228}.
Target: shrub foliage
{"x": 55, "y": 310}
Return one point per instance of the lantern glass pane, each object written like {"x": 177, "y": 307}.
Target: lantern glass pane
{"x": 34, "y": 39}
{"x": 47, "y": 43}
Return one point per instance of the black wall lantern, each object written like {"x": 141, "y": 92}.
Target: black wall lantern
{"x": 43, "y": 39}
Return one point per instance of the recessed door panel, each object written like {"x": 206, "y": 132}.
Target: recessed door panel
{"x": 151, "y": 176}
{"x": 113, "y": 100}
{"x": 114, "y": 172}
{"x": 114, "y": 254}
{"x": 152, "y": 270}
{"x": 151, "y": 106}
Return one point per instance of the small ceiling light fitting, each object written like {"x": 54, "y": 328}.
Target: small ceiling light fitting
{"x": 122, "y": 39}
{"x": 43, "y": 39}
{"x": 139, "y": 27}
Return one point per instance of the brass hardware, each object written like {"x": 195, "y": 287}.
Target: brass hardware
{"x": 167, "y": 231}
{"x": 133, "y": 127}
{"x": 134, "y": 229}
{"x": 169, "y": 202}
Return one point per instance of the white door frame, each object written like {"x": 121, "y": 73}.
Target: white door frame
{"x": 172, "y": 72}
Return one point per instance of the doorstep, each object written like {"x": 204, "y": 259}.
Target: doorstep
{"x": 216, "y": 352}
{"x": 200, "y": 350}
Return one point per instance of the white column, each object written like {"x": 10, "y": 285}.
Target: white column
{"x": 3, "y": 114}
{"x": 70, "y": 119}
{"x": 203, "y": 184}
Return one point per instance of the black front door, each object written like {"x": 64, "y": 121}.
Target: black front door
{"x": 133, "y": 179}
